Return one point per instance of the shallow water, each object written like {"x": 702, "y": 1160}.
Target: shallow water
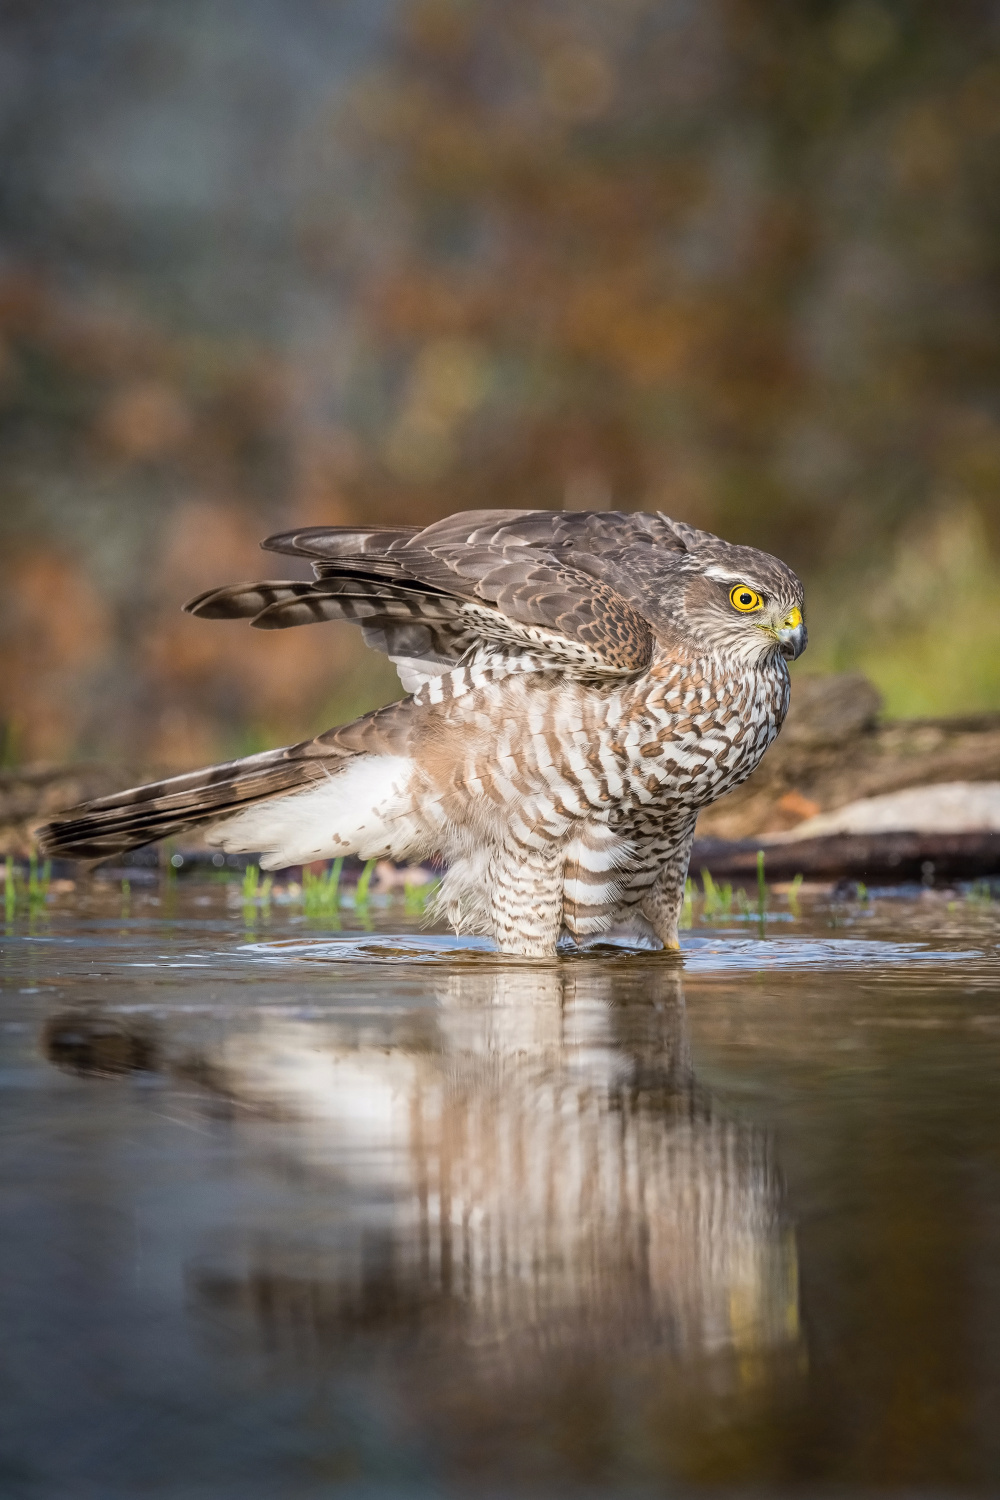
{"x": 290, "y": 1212}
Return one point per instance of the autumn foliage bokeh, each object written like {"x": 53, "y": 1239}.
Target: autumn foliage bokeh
{"x": 737, "y": 261}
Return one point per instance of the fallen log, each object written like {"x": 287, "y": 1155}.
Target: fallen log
{"x": 874, "y": 859}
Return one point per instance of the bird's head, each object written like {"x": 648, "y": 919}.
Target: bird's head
{"x": 741, "y": 603}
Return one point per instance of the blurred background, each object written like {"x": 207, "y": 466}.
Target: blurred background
{"x": 277, "y": 262}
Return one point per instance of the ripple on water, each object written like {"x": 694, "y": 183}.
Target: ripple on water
{"x": 700, "y": 955}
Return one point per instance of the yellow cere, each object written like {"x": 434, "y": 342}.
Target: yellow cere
{"x": 745, "y": 599}
{"x": 793, "y": 620}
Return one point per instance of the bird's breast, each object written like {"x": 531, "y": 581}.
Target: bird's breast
{"x": 558, "y": 749}
{"x": 694, "y": 734}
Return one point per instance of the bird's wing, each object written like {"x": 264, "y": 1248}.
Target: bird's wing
{"x": 562, "y": 618}
{"x": 336, "y": 550}
{"x": 526, "y": 599}
{"x": 590, "y": 532}
{"x": 276, "y": 606}
{"x": 513, "y": 578}
{"x": 421, "y": 630}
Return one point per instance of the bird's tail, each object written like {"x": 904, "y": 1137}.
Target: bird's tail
{"x": 140, "y": 815}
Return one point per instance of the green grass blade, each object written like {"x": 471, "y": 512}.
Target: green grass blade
{"x": 361, "y": 892}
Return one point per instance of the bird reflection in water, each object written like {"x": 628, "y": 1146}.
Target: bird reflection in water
{"x": 531, "y": 1167}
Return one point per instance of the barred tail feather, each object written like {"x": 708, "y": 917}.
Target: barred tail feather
{"x": 289, "y": 806}
{"x": 140, "y": 815}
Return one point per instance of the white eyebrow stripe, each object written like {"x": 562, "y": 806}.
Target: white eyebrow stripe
{"x": 721, "y": 575}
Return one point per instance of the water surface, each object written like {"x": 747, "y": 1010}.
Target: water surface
{"x": 298, "y": 1212}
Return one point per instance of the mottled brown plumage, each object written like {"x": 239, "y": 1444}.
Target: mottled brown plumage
{"x": 581, "y": 684}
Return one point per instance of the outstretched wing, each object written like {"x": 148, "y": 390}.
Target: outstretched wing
{"x": 567, "y": 587}
{"x": 419, "y": 629}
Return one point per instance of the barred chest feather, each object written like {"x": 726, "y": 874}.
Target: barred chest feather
{"x": 679, "y": 736}
{"x": 701, "y": 731}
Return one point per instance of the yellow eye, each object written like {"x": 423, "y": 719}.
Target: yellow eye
{"x": 745, "y": 599}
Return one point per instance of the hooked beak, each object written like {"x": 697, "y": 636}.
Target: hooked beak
{"x": 792, "y": 635}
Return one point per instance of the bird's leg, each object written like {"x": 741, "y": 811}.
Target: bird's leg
{"x": 662, "y": 905}
{"x": 592, "y": 883}
{"x": 525, "y": 899}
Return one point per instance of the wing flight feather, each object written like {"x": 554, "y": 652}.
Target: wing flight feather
{"x": 565, "y": 586}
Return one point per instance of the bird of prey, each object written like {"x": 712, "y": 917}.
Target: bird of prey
{"x": 580, "y": 684}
